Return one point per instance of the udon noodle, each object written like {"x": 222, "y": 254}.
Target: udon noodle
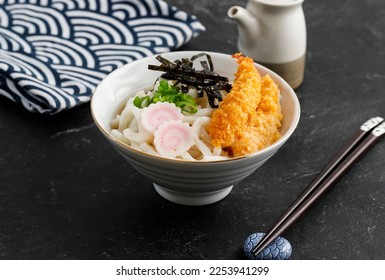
{"x": 247, "y": 120}
{"x": 127, "y": 126}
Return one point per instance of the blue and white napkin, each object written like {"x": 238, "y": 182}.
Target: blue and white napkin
{"x": 54, "y": 52}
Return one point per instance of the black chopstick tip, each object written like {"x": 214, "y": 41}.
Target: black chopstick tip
{"x": 279, "y": 249}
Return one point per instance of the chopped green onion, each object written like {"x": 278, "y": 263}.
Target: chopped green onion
{"x": 171, "y": 94}
{"x": 187, "y": 107}
{"x": 142, "y": 102}
{"x": 138, "y": 102}
{"x": 146, "y": 100}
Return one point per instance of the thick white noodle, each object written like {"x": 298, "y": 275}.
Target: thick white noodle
{"x": 215, "y": 157}
{"x": 135, "y": 145}
{"x": 125, "y": 118}
{"x": 127, "y": 128}
{"x": 114, "y": 123}
{"x": 217, "y": 151}
{"x": 197, "y": 126}
{"x": 136, "y": 111}
{"x": 137, "y": 136}
{"x": 116, "y": 133}
{"x": 202, "y": 112}
{"x": 134, "y": 125}
{"x": 140, "y": 93}
{"x": 204, "y": 136}
{"x": 145, "y": 147}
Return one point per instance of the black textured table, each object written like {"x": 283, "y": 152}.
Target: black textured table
{"x": 66, "y": 194}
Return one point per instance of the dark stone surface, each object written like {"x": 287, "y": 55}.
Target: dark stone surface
{"x": 66, "y": 194}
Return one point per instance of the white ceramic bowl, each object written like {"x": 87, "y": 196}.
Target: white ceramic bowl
{"x": 180, "y": 181}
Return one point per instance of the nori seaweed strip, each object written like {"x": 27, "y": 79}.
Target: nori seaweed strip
{"x": 186, "y": 63}
{"x": 188, "y": 80}
{"x": 186, "y": 75}
{"x": 184, "y": 88}
{"x": 208, "y": 58}
{"x": 165, "y": 62}
{"x": 216, "y": 93}
{"x": 200, "y": 92}
{"x": 211, "y": 97}
{"x": 192, "y": 72}
{"x": 224, "y": 86}
{"x": 207, "y": 70}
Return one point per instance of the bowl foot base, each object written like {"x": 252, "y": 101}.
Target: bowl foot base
{"x": 194, "y": 199}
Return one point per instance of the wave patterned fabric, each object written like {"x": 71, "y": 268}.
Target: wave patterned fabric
{"x": 54, "y": 52}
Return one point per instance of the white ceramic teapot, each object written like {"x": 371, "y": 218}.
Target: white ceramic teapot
{"x": 273, "y": 33}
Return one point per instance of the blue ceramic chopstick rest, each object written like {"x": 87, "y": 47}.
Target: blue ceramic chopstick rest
{"x": 280, "y": 249}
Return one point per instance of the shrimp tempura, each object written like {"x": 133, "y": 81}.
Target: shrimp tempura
{"x": 231, "y": 118}
{"x": 249, "y": 117}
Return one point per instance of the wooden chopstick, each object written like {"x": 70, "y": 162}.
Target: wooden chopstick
{"x": 368, "y": 134}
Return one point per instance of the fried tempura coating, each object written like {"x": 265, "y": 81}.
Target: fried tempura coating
{"x": 234, "y": 112}
{"x": 249, "y": 117}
